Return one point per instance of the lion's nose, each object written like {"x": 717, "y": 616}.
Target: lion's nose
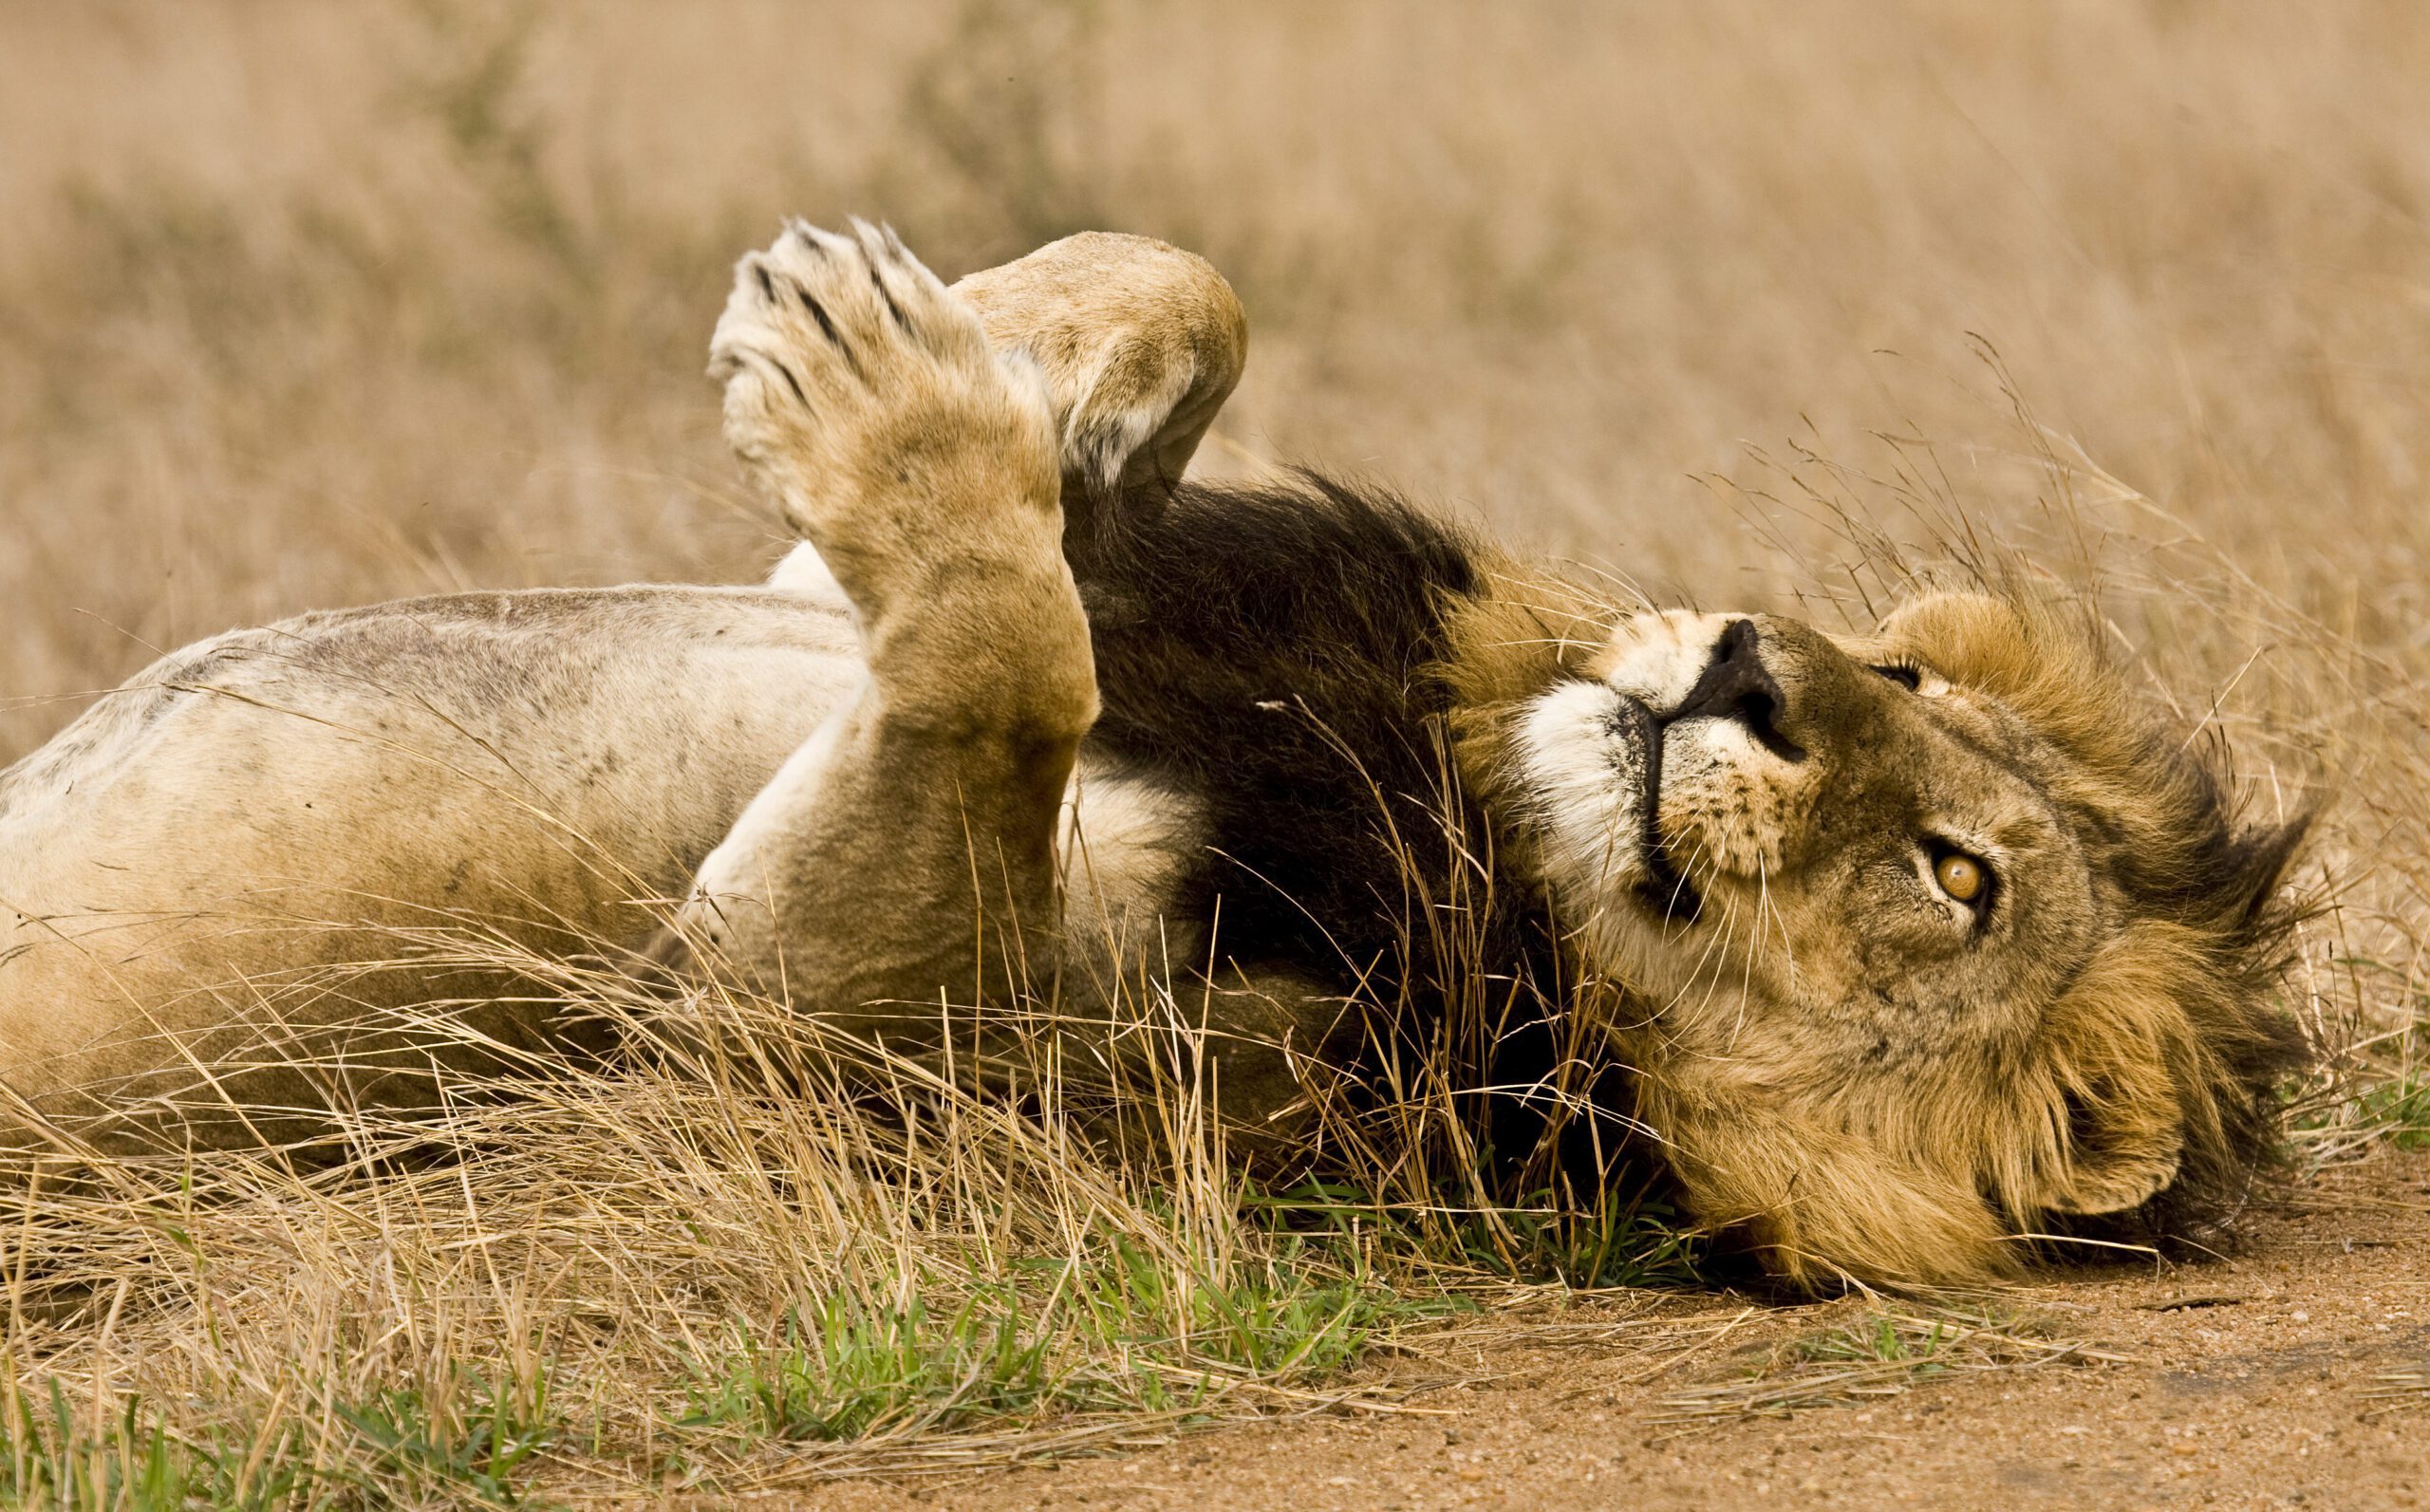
{"x": 1737, "y": 686}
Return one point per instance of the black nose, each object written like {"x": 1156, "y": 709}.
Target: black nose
{"x": 1736, "y": 686}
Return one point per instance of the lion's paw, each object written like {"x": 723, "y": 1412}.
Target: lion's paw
{"x": 864, "y": 393}
{"x": 1140, "y": 343}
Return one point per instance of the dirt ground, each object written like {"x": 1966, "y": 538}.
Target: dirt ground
{"x": 2247, "y": 1382}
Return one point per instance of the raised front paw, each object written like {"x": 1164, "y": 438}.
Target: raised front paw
{"x": 1141, "y": 343}
{"x": 865, "y": 396}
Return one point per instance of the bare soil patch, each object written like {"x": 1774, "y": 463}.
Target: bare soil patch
{"x": 2291, "y": 1374}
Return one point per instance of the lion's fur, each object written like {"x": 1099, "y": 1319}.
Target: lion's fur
{"x": 2175, "y": 1018}
{"x": 1311, "y": 720}
{"x": 2145, "y": 1091}
{"x": 197, "y": 872}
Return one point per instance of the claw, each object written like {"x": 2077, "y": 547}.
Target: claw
{"x": 877, "y": 281}
{"x": 835, "y": 337}
{"x": 812, "y": 239}
{"x": 791, "y": 381}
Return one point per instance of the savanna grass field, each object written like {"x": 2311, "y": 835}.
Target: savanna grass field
{"x": 1727, "y": 304}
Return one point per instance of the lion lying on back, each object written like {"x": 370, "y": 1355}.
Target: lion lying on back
{"x": 1916, "y": 940}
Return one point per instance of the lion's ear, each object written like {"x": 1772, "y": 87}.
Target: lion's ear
{"x": 2118, "y": 1044}
{"x": 2116, "y": 1159}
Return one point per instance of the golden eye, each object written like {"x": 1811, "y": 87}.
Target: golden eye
{"x": 1961, "y": 876}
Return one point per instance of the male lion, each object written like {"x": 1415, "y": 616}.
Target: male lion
{"x": 1926, "y": 939}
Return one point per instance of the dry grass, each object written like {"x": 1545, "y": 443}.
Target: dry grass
{"x": 310, "y": 305}
{"x": 1881, "y": 1352}
{"x": 752, "y": 1251}
{"x": 2399, "y": 1390}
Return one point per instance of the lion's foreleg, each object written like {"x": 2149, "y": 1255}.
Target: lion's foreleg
{"x": 907, "y": 848}
{"x": 906, "y": 854}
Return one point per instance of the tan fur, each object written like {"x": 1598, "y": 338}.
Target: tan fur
{"x": 1848, "y": 1066}
{"x": 192, "y": 874}
{"x": 1141, "y": 345}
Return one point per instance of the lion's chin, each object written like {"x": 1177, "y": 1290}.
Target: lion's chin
{"x": 1590, "y": 757}
{"x": 1581, "y": 751}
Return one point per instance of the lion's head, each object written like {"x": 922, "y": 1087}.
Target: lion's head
{"x": 1934, "y": 937}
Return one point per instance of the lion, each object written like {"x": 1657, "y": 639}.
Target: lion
{"x": 1919, "y": 945}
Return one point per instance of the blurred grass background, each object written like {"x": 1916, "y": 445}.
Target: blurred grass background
{"x": 308, "y": 304}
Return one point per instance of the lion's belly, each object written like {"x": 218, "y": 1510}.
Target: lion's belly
{"x": 313, "y": 823}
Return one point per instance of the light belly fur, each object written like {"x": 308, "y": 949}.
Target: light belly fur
{"x": 236, "y": 835}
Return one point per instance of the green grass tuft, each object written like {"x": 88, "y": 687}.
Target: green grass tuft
{"x": 469, "y": 1444}
{"x": 1124, "y": 1331}
{"x": 2400, "y": 1108}
{"x": 132, "y": 1461}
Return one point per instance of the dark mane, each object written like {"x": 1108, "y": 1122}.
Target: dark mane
{"x": 2168, "y": 833}
{"x": 1267, "y": 646}
{"x": 2225, "y": 881}
{"x": 1272, "y": 648}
